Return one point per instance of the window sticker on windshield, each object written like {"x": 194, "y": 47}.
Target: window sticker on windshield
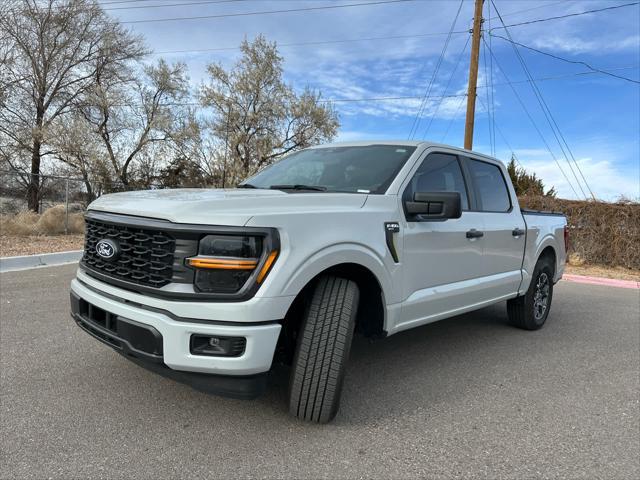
{"x": 401, "y": 150}
{"x": 363, "y": 191}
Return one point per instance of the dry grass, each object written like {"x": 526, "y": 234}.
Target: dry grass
{"x": 606, "y": 234}
{"x": 51, "y": 222}
{"x": 11, "y": 245}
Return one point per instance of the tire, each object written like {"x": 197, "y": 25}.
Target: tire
{"x": 530, "y": 311}
{"x": 322, "y": 350}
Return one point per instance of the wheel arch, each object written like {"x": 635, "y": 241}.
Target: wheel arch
{"x": 550, "y": 253}
{"x": 371, "y": 316}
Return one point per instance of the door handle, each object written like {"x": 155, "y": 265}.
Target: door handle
{"x": 517, "y": 232}
{"x": 473, "y": 233}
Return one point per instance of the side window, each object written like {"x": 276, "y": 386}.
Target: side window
{"x": 490, "y": 186}
{"x": 439, "y": 172}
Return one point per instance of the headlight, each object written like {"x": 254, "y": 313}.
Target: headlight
{"x": 226, "y": 263}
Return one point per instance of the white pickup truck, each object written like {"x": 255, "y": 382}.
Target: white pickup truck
{"x": 211, "y": 287}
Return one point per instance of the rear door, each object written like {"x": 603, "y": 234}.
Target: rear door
{"x": 440, "y": 264}
{"x": 504, "y": 228}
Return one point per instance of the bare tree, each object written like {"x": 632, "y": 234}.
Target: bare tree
{"x": 80, "y": 151}
{"x": 132, "y": 114}
{"x": 59, "y": 47}
{"x": 258, "y": 115}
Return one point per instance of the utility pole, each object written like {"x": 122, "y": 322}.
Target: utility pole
{"x": 473, "y": 75}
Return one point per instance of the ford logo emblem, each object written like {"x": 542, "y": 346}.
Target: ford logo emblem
{"x": 107, "y": 249}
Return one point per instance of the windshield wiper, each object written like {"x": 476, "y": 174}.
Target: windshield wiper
{"x": 246, "y": 185}
{"x": 298, "y": 186}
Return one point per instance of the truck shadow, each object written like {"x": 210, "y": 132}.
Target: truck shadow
{"x": 422, "y": 367}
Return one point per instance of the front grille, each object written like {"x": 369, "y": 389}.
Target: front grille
{"x": 145, "y": 256}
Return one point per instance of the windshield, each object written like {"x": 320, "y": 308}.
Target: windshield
{"x": 367, "y": 169}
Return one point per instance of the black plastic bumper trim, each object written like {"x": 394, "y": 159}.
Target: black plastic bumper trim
{"x": 246, "y": 387}
{"x": 115, "y": 341}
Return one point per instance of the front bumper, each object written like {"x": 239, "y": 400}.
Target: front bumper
{"x": 174, "y": 337}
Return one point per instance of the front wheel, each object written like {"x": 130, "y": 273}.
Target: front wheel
{"x": 322, "y": 350}
{"x": 531, "y": 310}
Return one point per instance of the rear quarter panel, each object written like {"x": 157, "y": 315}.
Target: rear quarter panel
{"x": 543, "y": 230}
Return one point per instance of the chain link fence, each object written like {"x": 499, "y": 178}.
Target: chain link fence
{"x": 62, "y": 201}
{"x": 61, "y": 206}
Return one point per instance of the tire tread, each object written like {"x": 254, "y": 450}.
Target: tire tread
{"x": 322, "y": 350}
{"x": 520, "y": 309}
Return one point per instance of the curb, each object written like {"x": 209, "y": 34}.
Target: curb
{"x": 10, "y": 264}
{"x": 607, "y": 282}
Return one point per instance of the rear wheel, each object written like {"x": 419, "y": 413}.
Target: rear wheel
{"x": 322, "y": 350}
{"x": 530, "y": 311}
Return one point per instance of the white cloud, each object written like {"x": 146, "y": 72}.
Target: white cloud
{"x": 355, "y": 136}
{"x": 605, "y": 178}
{"x": 576, "y": 45}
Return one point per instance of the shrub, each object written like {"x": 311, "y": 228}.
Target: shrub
{"x": 51, "y": 222}
{"x": 600, "y": 233}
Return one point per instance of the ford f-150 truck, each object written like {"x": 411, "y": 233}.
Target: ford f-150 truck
{"x": 212, "y": 286}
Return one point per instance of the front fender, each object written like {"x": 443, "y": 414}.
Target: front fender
{"x": 337, "y": 254}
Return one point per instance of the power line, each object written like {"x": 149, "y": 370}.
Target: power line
{"x": 319, "y": 42}
{"x": 560, "y": 77}
{"x": 124, "y": 1}
{"x": 503, "y": 137}
{"x": 117, "y": 2}
{"x": 546, "y": 5}
{"x": 416, "y": 121}
{"x": 399, "y": 97}
{"x": 435, "y": 112}
{"x": 455, "y": 115}
{"x": 533, "y": 122}
{"x": 328, "y": 100}
{"x": 347, "y": 100}
{"x": 491, "y": 89}
{"x": 546, "y": 110}
{"x": 486, "y": 74}
{"x": 577, "y": 62}
{"x": 184, "y": 4}
{"x": 207, "y": 2}
{"x": 408, "y": 97}
{"x": 267, "y": 12}
{"x": 559, "y": 17}
{"x": 417, "y": 97}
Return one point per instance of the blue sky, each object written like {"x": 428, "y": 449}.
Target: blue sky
{"x": 599, "y": 116}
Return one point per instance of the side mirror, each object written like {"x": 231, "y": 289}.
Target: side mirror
{"x": 434, "y": 205}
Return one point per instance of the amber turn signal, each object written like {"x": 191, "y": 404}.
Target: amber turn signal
{"x": 221, "y": 263}
{"x": 267, "y": 266}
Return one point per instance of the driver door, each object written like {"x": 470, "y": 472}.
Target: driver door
{"x": 440, "y": 264}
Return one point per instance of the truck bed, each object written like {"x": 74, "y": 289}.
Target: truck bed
{"x": 526, "y": 211}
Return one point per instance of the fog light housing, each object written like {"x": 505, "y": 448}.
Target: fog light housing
{"x": 217, "y": 346}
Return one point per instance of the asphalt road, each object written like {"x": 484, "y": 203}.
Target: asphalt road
{"x": 468, "y": 397}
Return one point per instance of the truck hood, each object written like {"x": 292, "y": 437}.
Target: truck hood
{"x": 234, "y": 207}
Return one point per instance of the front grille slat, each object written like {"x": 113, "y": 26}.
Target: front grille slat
{"x": 146, "y": 256}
